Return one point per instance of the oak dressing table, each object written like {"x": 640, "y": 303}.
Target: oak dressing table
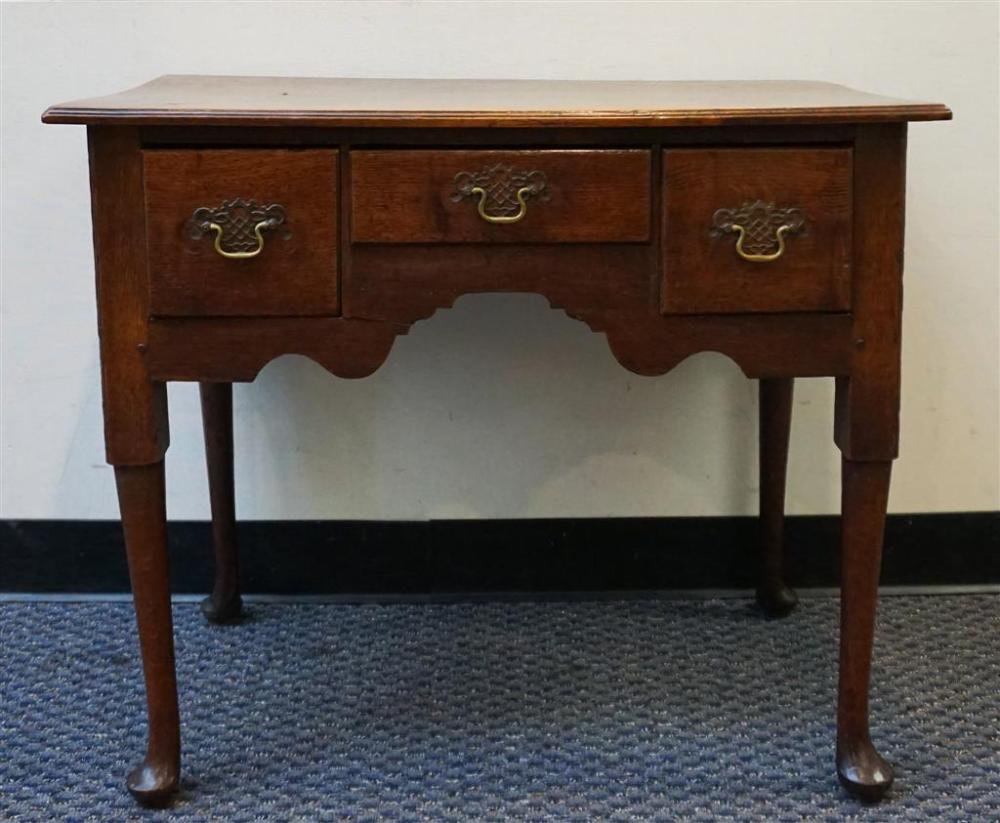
{"x": 238, "y": 219}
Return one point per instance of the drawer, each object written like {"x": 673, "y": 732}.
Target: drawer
{"x": 479, "y": 196}
{"x": 242, "y": 232}
{"x": 756, "y": 230}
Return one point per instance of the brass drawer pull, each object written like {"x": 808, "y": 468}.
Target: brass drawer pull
{"x": 779, "y": 235}
{"x": 760, "y": 229}
{"x": 502, "y": 191}
{"x": 238, "y": 226}
{"x": 502, "y": 218}
{"x": 239, "y": 255}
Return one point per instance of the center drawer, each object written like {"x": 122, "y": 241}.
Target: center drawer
{"x": 575, "y": 196}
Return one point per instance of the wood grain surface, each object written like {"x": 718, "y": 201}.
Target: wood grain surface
{"x": 321, "y": 101}
{"x": 703, "y": 274}
{"x": 588, "y": 196}
{"x": 295, "y": 274}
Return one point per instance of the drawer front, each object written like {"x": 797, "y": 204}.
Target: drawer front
{"x": 578, "y": 196}
{"x": 242, "y": 232}
{"x": 756, "y": 230}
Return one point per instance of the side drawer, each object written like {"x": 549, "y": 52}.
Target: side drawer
{"x": 546, "y": 196}
{"x": 756, "y": 230}
{"x": 248, "y": 232}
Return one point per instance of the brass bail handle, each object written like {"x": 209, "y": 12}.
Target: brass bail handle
{"x": 779, "y": 235}
{"x": 480, "y": 192}
{"x": 240, "y": 255}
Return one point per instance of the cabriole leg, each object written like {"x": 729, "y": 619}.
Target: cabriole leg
{"x": 142, "y": 498}
{"x": 865, "y": 491}
{"x": 225, "y": 603}
{"x": 773, "y": 595}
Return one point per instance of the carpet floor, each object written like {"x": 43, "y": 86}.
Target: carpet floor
{"x": 585, "y": 710}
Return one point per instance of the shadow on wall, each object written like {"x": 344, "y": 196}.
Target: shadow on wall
{"x": 499, "y": 407}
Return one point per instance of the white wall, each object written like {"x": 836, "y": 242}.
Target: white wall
{"x": 501, "y": 407}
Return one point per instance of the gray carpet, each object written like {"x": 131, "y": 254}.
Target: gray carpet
{"x": 637, "y": 710}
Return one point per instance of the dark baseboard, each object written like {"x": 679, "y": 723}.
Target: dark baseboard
{"x": 481, "y": 556}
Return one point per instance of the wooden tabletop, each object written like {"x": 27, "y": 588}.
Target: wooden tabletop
{"x": 315, "y": 101}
